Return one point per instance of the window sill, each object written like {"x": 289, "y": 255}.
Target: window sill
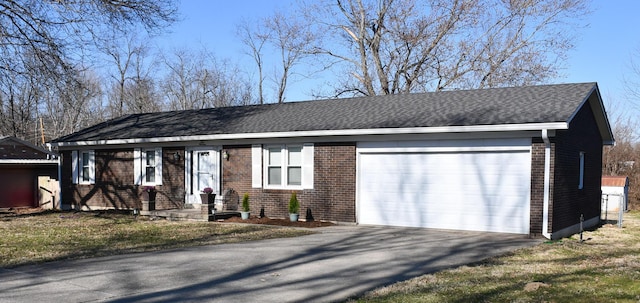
{"x": 283, "y": 187}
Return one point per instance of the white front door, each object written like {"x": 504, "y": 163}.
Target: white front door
{"x": 201, "y": 170}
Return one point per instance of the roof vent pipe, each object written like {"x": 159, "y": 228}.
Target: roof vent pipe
{"x": 547, "y": 177}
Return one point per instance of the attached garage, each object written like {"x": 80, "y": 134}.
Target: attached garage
{"x": 481, "y": 185}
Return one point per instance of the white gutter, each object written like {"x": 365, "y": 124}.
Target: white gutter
{"x": 28, "y": 161}
{"x": 324, "y": 133}
{"x": 547, "y": 177}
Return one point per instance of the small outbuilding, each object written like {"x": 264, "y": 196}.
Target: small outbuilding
{"x": 28, "y": 175}
{"x": 615, "y": 193}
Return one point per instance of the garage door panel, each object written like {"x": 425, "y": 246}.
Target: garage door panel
{"x": 486, "y": 191}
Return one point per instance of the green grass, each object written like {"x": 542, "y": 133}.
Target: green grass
{"x": 53, "y": 236}
{"x": 604, "y": 268}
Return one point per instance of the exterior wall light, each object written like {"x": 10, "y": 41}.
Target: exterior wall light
{"x": 225, "y": 155}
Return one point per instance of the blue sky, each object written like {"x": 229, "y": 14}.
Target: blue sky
{"x": 602, "y": 51}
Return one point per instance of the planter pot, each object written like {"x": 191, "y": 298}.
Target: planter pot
{"x": 148, "y": 205}
{"x": 148, "y": 200}
{"x": 207, "y": 198}
{"x": 244, "y": 215}
{"x": 293, "y": 217}
{"x": 149, "y": 195}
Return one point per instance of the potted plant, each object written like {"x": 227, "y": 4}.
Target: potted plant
{"x": 207, "y": 196}
{"x": 148, "y": 198}
{"x": 245, "y": 207}
{"x": 294, "y": 207}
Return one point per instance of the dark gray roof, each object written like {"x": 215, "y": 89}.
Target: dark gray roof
{"x": 12, "y": 148}
{"x": 516, "y": 105}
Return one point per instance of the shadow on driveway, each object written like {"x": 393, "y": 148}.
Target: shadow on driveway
{"x": 337, "y": 263}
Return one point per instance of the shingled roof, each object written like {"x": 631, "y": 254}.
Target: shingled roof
{"x": 498, "y": 106}
{"x": 12, "y": 148}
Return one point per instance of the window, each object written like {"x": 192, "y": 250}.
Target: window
{"x": 274, "y": 166}
{"x": 147, "y": 166}
{"x": 150, "y": 166}
{"x": 285, "y": 166}
{"x": 83, "y": 167}
{"x": 581, "y": 176}
{"x": 294, "y": 166}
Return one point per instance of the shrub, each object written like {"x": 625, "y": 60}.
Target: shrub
{"x": 294, "y": 205}
{"x": 245, "y": 202}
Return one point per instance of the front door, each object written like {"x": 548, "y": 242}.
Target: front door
{"x": 201, "y": 171}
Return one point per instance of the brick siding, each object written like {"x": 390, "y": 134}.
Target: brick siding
{"x": 114, "y": 187}
{"x": 332, "y": 197}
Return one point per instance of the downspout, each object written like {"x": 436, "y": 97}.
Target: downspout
{"x": 59, "y": 202}
{"x": 547, "y": 177}
{"x": 59, "y": 193}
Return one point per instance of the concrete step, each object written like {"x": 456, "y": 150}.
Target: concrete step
{"x": 176, "y": 214}
{"x": 188, "y": 214}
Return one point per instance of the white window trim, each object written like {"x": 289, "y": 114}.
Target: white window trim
{"x": 256, "y": 166}
{"x": 77, "y": 171}
{"x": 260, "y": 160}
{"x": 139, "y": 166}
{"x": 581, "y": 176}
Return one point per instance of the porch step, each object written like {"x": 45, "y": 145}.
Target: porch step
{"x": 189, "y": 214}
{"x": 176, "y": 214}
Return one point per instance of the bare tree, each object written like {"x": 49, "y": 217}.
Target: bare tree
{"x": 199, "y": 80}
{"x": 631, "y": 79}
{"x": 122, "y": 57}
{"x": 73, "y": 105}
{"x": 132, "y": 87}
{"x": 56, "y": 33}
{"x": 283, "y": 35}
{"x": 623, "y": 158}
{"x": 178, "y": 84}
{"x": 44, "y": 50}
{"x": 399, "y": 46}
{"x": 253, "y": 36}
{"x": 290, "y": 37}
{"x": 18, "y": 106}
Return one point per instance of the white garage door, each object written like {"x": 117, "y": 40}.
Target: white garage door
{"x": 483, "y": 191}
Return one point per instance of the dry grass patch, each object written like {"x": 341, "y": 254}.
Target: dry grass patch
{"x": 604, "y": 268}
{"x": 52, "y": 236}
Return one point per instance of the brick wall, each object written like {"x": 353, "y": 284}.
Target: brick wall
{"x": 537, "y": 184}
{"x": 114, "y": 186}
{"x": 332, "y": 197}
{"x": 569, "y": 202}
{"x": 171, "y": 193}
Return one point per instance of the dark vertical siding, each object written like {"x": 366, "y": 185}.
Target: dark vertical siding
{"x": 570, "y": 202}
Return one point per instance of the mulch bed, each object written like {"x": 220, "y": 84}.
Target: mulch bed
{"x": 13, "y": 212}
{"x": 279, "y": 222}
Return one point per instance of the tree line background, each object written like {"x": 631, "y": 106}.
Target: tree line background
{"x": 66, "y": 65}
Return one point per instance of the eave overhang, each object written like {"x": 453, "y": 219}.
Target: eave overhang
{"x": 321, "y": 133}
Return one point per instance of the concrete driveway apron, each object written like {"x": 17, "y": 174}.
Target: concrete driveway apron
{"x": 336, "y": 263}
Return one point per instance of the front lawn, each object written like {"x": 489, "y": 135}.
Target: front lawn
{"x": 49, "y": 236}
{"x": 603, "y": 268}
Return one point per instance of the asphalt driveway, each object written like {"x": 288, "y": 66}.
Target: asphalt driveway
{"x": 337, "y": 263}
